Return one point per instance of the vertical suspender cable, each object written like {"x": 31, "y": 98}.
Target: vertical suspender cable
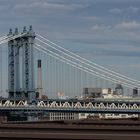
{"x": 0, "y": 71}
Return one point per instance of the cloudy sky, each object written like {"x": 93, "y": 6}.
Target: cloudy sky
{"x": 104, "y": 31}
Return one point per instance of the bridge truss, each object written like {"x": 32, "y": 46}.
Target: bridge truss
{"x": 75, "y": 106}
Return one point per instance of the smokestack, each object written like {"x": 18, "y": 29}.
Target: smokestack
{"x": 135, "y": 92}
{"x": 39, "y": 63}
{"x": 39, "y": 79}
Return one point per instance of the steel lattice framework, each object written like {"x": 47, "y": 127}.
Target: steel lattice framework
{"x": 100, "y": 106}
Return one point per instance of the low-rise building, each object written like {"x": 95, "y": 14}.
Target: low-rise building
{"x": 62, "y": 116}
{"x": 92, "y": 92}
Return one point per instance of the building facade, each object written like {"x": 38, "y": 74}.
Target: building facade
{"x": 62, "y": 116}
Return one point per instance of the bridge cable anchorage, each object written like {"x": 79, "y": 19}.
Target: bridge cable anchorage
{"x": 120, "y": 78}
{"x": 81, "y": 58}
{"x": 80, "y": 67}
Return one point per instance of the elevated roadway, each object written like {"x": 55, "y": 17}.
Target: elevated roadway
{"x": 127, "y": 106}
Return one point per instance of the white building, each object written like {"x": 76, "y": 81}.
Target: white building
{"x": 62, "y": 116}
{"x": 106, "y": 116}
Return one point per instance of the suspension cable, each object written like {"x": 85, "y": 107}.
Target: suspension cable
{"x": 11, "y": 37}
{"x": 87, "y": 60}
{"x": 81, "y": 67}
{"x": 92, "y": 66}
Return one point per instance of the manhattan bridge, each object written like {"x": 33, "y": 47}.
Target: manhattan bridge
{"x": 36, "y": 71}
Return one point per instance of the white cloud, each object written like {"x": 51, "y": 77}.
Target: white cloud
{"x": 3, "y": 7}
{"x": 63, "y": 6}
{"x": 134, "y": 65}
{"x": 116, "y": 11}
{"x": 133, "y": 25}
{"x": 49, "y": 6}
{"x": 100, "y": 27}
{"x": 93, "y": 18}
{"x": 125, "y": 66}
{"x": 130, "y": 9}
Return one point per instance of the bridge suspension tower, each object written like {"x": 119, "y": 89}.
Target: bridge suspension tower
{"x": 20, "y": 65}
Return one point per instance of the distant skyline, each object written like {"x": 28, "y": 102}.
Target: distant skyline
{"x": 104, "y": 31}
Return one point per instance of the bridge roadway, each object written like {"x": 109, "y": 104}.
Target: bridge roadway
{"x": 131, "y": 106}
{"x": 35, "y": 109}
{"x": 70, "y": 131}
